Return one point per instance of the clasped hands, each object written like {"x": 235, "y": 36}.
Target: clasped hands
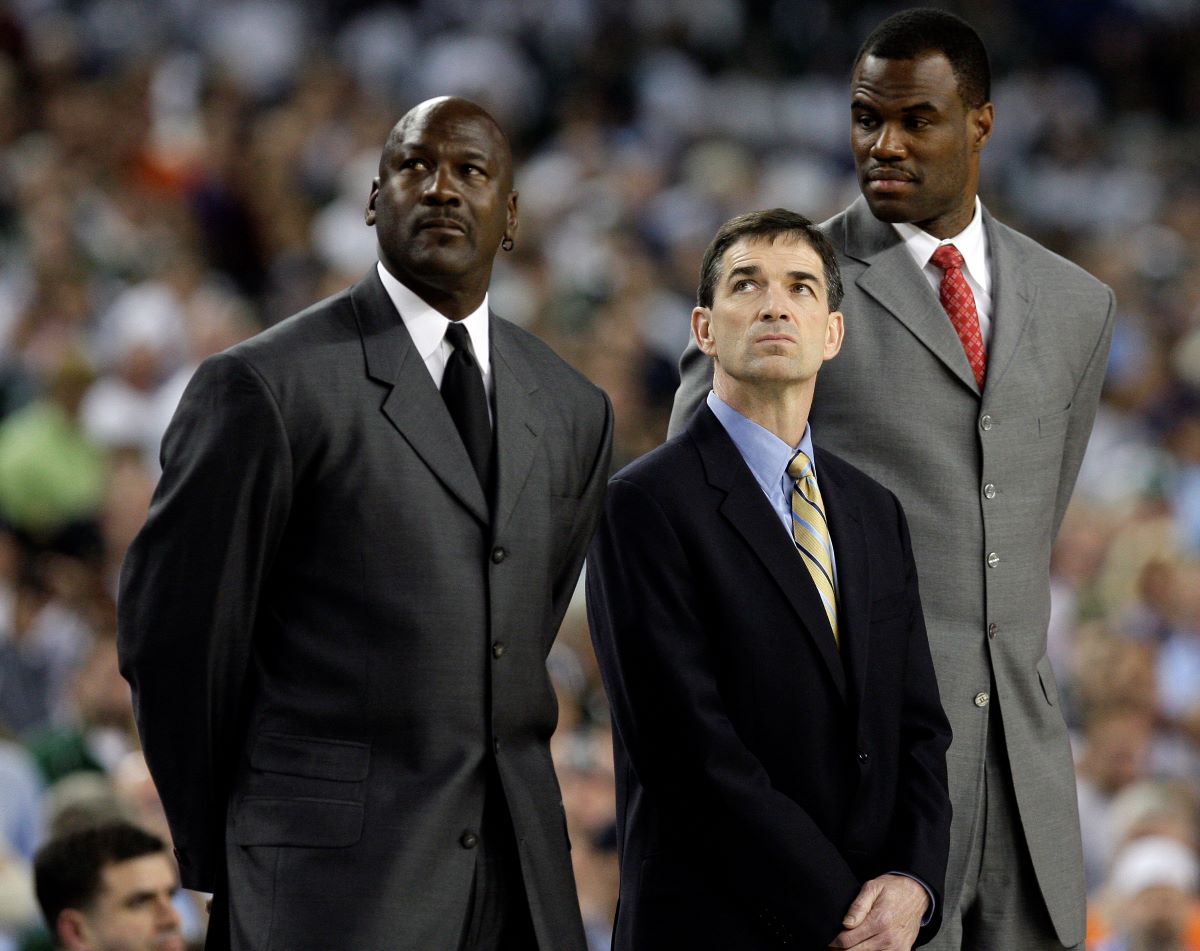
{"x": 884, "y": 916}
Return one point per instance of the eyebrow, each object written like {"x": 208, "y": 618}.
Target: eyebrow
{"x": 753, "y": 270}
{"x": 926, "y": 106}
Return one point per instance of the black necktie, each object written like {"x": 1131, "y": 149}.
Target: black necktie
{"x": 462, "y": 389}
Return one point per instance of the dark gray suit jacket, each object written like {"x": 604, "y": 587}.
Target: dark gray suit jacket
{"x": 984, "y": 479}
{"x": 329, "y": 636}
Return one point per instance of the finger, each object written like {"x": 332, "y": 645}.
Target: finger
{"x": 861, "y": 905}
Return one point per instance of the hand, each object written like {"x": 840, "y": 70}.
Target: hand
{"x": 885, "y": 916}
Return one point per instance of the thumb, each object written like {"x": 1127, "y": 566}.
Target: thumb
{"x": 861, "y": 905}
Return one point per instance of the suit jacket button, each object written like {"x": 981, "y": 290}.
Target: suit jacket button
{"x": 863, "y": 757}
{"x": 989, "y": 491}
{"x": 993, "y": 559}
{"x": 993, "y": 630}
{"x": 981, "y": 699}
{"x": 498, "y": 555}
{"x": 498, "y": 649}
{"x": 985, "y": 423}
{"x": 468, "y": 840}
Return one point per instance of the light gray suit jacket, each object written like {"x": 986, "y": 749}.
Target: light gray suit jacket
{"x": 985, "y": 480}
{"x": 331, "y": 638}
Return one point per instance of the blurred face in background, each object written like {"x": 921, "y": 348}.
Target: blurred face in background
{"x": 132, "y": 912}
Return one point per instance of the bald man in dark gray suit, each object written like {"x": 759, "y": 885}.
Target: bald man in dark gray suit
{"x": 337, "y": 616}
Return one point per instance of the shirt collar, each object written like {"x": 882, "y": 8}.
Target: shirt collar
{"x": 427, "y": 326}
{"x": 971, "y": 243}
{"x": 765, "y": 453}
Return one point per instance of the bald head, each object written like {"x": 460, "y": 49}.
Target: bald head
{"x": 453, "y": 109}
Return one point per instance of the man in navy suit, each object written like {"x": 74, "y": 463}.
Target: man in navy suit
{"x": 780, "y": 739}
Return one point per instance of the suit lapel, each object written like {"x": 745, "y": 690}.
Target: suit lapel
{"x": 854, "y": 583}
{"x": 413, "y": 405}
{"x": 751, "y": 516}
{"x": 518, "y": 419}
{"x": 893, "y": 279}
{"x": 1012, "y": 302}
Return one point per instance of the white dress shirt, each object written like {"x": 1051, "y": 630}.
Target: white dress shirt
{"x": 427, "y": 327}
{"x": 972, "y": 245}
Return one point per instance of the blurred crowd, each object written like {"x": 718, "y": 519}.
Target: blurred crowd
{"x": 176, "y": 175}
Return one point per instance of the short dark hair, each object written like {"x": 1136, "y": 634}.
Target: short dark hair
{"x": 67, "y": 869}
{"x": 768, "y": 225}
{"x": 911, "y": 33}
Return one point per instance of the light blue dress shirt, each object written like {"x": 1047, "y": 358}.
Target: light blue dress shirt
{"x": 767, "y": 456}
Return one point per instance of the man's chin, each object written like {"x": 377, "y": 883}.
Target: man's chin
{"x": 891, "y": 210}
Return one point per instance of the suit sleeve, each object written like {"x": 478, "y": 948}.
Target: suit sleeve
{"x": 588, "y": 514}
{"x": 660, "y": 673}
{"x": 189, "y": 594}
{"x": 695, "y": 380}
{"x": 920, "y": 839}
{"x": 1083, "y": 413}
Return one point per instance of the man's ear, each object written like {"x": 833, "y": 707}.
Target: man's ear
{"x": 981, "y": 125}
{"x": 702, "y": 330}
{"x": 369, "y": 215}
{"x": 835, "y": 333}
{"x": 72, "y": 930}
{"x": 513, "y": 223}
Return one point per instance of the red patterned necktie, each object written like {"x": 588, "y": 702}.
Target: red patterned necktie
{"x": 959, "y": 303}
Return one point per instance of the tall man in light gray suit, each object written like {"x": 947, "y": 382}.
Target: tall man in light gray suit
{"x": 968, "y": 387}
{"x": 337, "y": 616}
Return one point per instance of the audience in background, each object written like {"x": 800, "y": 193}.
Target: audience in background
{"x": 175, "y": 176}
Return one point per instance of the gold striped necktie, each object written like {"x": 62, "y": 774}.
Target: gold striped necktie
{"x": 811, "y": 533}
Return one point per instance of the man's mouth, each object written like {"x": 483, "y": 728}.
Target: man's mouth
{"x": 442, "y": 224}
{"x": 889, "y": 179}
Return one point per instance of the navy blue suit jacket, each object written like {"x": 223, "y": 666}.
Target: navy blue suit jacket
{"x": 763, "y": 775}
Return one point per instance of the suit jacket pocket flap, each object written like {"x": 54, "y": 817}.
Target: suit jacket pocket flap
{"x": 316, "y": 823}
{"x": 313, "y": 757}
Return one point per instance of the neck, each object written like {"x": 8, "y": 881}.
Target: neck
{"x": 781, "y": 409}
{"x": 951, "y": 224}
{"x": 454, "y": 299}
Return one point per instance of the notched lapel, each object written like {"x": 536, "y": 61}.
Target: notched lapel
{"x": 751, "y": 516}
{"x": 893, "y": 279}
{"x": 414, "y": 405}
{"x": 1012, "y": 303}
{"x": 854, "y": 583}
{"x": 518, "y": 420}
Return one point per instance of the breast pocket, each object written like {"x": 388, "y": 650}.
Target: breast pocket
{"x": 303, "y": 791}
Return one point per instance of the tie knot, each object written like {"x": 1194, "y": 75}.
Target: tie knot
{"x": 799, "y": 466}
{"x": 458, "y": 337}
{"x": 947, "y": 256}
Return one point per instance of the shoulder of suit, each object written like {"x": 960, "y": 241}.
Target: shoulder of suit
{"x": 1039, "y": 260}
{"x": 304, "y": 335}
{"x": 552, "y": 369}
{"x": 849, "y": 476}
{"x": 662, "y": 467}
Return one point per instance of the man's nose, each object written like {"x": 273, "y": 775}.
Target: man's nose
{"x": 168, "y": 915}
{"x": 441, "y": 188}
{"x": 889, "y": 143}
{"x": 776, "y": 304}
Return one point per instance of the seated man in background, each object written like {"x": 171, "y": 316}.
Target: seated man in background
{"x": 109, "y": 888}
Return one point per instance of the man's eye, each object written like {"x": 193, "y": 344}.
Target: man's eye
{"x": 802, "y": 289}
{"x": 413, "y": 163}
{"x": 864, "y": 121}
{"x": 745, "y": 285}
